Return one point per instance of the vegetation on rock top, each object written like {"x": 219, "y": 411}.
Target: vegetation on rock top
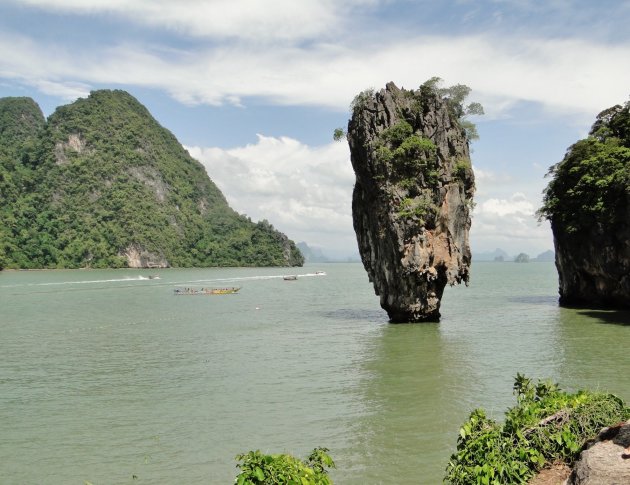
{"x": 407, "y": 161}
{"x": 591, "y": 185}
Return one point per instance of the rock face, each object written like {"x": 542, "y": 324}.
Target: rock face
{"x": 412, "y": 198}
{"x": 605, "y": 461}
{"x": 138, "y": 257}
{"x": 594, "y": 268}
{"x": 588, "y": 205}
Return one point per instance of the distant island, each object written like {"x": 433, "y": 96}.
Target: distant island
{"x": 500, "y": 256}
{"x": 100, "y": 184}
{"x": 314, "y": 254}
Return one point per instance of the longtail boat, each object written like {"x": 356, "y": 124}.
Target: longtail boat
{"x": 207, "y": 291}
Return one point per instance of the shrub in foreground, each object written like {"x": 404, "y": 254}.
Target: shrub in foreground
{"x": 257, "y": 468}
{"x": 547, "y": 425}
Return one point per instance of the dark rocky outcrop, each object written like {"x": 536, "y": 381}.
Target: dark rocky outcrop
{"x": 606, "y": 460}
{"x": 588, "y": 205}
{"x": 412, "y": 198}
{"x": 594, "y": 267}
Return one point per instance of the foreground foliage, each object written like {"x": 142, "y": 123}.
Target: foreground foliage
{"x": 257, "y": 468}
{"x": 546, "y": 426}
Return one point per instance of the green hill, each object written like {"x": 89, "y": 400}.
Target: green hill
{"x": 102, "y": 184}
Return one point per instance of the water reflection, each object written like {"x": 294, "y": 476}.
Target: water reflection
{"x": 505, "y": 323}
{"x": 367, "y": 315}
{"x": 424, "y": 380}
{"x": 413, "y": 408}
{"x": 547, "y": 300}
{"x": 620, "y": 317}
{"x": 595, "y": 351}
{"x": 188, "y": 383}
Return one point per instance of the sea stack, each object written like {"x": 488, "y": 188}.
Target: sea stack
{"x": 588, "y": 204}
{"x": 412, "y": 197}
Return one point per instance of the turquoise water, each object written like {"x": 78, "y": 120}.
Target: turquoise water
{"x": 106, "y": 375}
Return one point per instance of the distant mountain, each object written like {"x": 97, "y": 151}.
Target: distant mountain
{"x": 496, "y": 255}
{"x": 547, "y": 256}
{"x": 328, "y": 255}
{"x": 499, "y": 255}
{"x": 102, "y": 184}
{"x": 312, "y": 254}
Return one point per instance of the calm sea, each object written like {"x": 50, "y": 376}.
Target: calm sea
{"x": 108, "y": 377}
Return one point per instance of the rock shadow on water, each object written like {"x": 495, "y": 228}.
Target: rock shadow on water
{"x": 610, "y": 317}
{"x": 535, "y": 300}
{"x": 354, "y": 314}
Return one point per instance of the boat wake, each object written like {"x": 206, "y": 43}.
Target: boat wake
{"x": 84, "y": 282}
{"x": 142, "y": 278}
{"x": 250, "y": 278}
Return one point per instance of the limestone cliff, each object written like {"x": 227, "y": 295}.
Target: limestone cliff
{"x": 412, "y": 198}
{"x": 588, "y": 205}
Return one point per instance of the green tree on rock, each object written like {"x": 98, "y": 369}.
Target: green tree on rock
{"x": 591, "y": 185}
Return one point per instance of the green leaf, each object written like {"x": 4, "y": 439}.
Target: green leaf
{"x": 260, "y": 475}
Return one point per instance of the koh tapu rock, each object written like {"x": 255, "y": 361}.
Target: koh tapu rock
{"x": 413, "y": 194}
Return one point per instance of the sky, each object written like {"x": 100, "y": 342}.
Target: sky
{"x": 254, "y": 89}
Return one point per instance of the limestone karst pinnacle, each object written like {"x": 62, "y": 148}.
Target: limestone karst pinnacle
{"x": 412, "y": 198}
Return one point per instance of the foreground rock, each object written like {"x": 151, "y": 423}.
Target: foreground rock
{"x": 605, "y": 461}
{"x": 412, "y": 198}
{"x": 588, "y": 205}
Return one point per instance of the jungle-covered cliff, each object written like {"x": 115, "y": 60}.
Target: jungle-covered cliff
{"x": 102, "y": 184}
{"x": 413, "y": 194}
{"x": 587, "y": 202}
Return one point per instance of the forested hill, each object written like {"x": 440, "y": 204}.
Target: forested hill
{"x": 102, "y": 184}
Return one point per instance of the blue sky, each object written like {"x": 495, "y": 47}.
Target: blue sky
{"x": 254, "y": 89}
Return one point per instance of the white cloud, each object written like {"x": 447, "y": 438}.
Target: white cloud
{"x": 68, "y": 91}
{"x": 245, "y": 19}
{"x": 505, "y": 214}
{"x": 307, "y": 191}
{"x": 566, "y": 75}
{"x": 516, "y": 205}
{"x": 511, "y": 224}
{"x": 304, "y": 191}
{"x": 304, "y": 53}
{"x": 487, "y": 181}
